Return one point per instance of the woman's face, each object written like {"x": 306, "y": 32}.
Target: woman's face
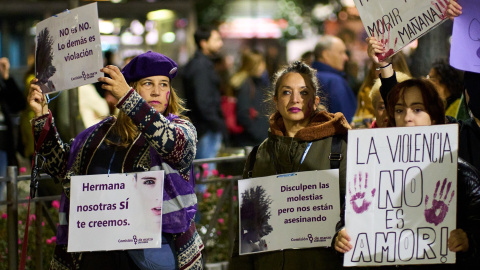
{"x": 151, "y": 191}
{"x": 156, "y": 91}
{"x": 410, "y": 110}
{"x": 296, "y": 100}
{"x": 380, "y": 113}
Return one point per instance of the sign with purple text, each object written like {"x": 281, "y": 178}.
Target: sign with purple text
{"x": 400, "y": 203}
{"x": 116, "y": 211}
{"x": 465, "y": 49}
{"x": 396, "y": 23}
{"x": 297, "y": 210}
{"x": 68, "y": 52}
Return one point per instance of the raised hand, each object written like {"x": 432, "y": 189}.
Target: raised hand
{"x": 360, "y": 199}
{"x": 454, "y": 9}
{"x": 116, "y": 84}
{"x": 36, "y": 99}
{"x": 387, "y": 51}
{"x": 438, "y": 208}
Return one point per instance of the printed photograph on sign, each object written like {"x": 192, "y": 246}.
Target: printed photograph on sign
{"x": 68, "y": 51}
{"x": 401, "y": 198}
{"x": 397, "y": 23}
{"x": 116, "y": 211}
{"x": 298, "y": 210}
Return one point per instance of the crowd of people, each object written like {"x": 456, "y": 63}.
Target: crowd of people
{"x": 299, "y": 117}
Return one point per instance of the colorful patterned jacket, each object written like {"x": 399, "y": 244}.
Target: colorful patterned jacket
{"x": 166, "y": 143}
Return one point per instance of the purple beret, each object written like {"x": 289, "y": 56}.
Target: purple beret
{"x": 149, "y": 64}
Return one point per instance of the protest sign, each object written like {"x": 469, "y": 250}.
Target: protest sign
{"x": 115, "y": 211}
{"x": 297, "y": 210}
{"x": 465, "y": 49}
{"x": 397, "y": 23}
{"x": 68, "y": 52}
{"x": 400, "y": 204}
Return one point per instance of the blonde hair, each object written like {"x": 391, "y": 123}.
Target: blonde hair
{"x": 248, "y": 67}
{"x": 128, "y": 131}
{"x": 375, "y": 95}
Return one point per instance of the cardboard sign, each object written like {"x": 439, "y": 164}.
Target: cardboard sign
{"x": 297, "y": 210}
{"x": 116, "y": 211}
{"x": 400, "y": 204}
{"x": 465, "y": 49}
{"x": 68, "y": 52}
{"x": 396, "y": 23}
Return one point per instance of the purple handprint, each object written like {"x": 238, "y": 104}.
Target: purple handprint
{"x": 359, "y": 201}
{"x": 436, "y": 214}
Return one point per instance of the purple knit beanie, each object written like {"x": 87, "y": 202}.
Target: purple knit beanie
{"x": 149, "y": 64}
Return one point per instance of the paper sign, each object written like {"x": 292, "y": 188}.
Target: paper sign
{"x": 116, "y": 211}
{"x": 400, "y": 204}
{"x": 465, "y": 49}
{"x": 396, "y": 23}
{"x": 298, "y": 210}
{"x": 68, "y": 52}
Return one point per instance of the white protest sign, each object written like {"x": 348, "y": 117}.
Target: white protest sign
{"x": 396, "y": 23}
{"x": 116, "y": 211}
{"x": 68, "y": 52}
{"x": 297, "y": 210}
{"x": 400, "y": 204}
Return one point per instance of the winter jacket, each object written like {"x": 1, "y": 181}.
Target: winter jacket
{"x": 287, "y": 152}
{"x": 201, "y": 84}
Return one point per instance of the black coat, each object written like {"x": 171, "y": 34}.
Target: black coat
{"x": 12, "y": 102}
{"x": 201, "y": 85}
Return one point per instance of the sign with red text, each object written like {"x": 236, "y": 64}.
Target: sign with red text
{"x": 68, "y": 52}
{"x": 297, "y": 210}
{"x": 401, "y": 199}
{"x": 396, "y": 23}
{"x": 465, "y": 49}
{"x": 115, "y": 211}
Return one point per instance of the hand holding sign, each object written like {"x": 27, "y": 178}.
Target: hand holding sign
{"x": 458, "y": 241}
{"x": 116, "y": 84}
{"x": 442, "y": 6}
{"x": 439, "y": 209}
{"x": 454, "y": 10}
{"x": 36, "y": 99}
{"x": 342, "y": 241}
{"x": 360, "y": 200}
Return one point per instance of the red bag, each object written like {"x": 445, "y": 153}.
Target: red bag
{"x": 229, "y": 108}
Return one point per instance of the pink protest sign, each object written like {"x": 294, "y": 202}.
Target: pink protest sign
{"x": 397, "y": 23}
{"x": 465, "y": 49}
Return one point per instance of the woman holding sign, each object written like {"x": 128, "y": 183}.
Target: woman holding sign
{"x": 415, "y": 102}
{"x": 303, "y": 136}
{"x": 149, "y": 134}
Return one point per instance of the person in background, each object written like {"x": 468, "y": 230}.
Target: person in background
{"x": 308, "y": 58}
{"x": 330, "y": 57}
{"x": 149, "y": 134}
{"x": 302, "y": 137}
{"x": 449, "y": 84}
{"x": 365, "y": 109}
{"x": 12, "y": 102}
{"x": 250, "y": 90}
{"x": 379, "y": 112}
{"x": 201, "y": 85}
